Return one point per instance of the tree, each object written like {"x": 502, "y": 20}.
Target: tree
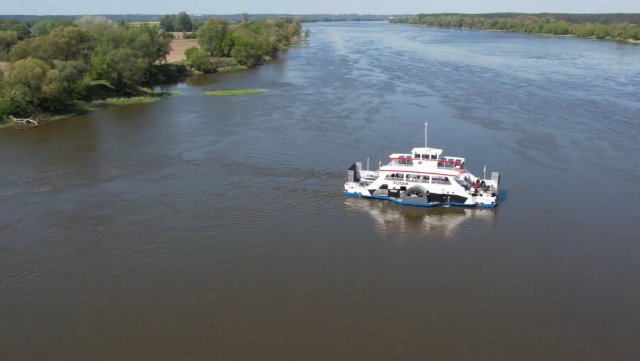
{"x": 35, "y": 85}
{"x": 166, "y": 23}
{"x": 95, "y": 24}
{"x": 7, "y": 40}
{"x": 73, "y": 44}
{"x": 5, "y": 105}
{"x": 65, "y": 44}
{"x": 14, "y": 25}
{"x": 247, "y": 50}
{"x": 72, "y": 79}
{"x": 125, "y": 69}
{"x": 184, "y": 22}
{"x": 46, "y": 26}
{"x": 198, "y": 59}
{"x": 214, "y": 37}
{"x": 27, "y": 78}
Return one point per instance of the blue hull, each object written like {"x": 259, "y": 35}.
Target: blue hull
{"x": 349, "y": 194}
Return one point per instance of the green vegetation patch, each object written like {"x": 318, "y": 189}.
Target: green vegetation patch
{"x": 235, "y": 92}
{"x": 233, "y": 67}
{"x": 148, "y": 98}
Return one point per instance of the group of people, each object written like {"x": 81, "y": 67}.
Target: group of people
{"x": 479, "y": 183}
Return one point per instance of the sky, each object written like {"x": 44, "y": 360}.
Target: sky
{"x": 387, "y": 7}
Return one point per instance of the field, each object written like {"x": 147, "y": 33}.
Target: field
{"x": 178, "y": 46}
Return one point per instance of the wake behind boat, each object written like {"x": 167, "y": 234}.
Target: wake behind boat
{"x": 425, "y": 178}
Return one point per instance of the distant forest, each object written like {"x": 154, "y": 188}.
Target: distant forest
{"x": 613, "y": 18}
{"x": 141, "y": 18}
{"x": 596, "y": 26}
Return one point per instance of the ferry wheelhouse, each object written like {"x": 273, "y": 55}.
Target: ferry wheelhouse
{"x": 426, "y": 178}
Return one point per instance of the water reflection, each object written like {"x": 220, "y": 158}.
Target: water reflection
{"x": 390, "y": 218}
{"x": 198, "y": 80}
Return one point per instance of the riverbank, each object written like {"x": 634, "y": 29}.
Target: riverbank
{"x": 80, "y": 108}
{"x": 618, "y": 27}
{"x": 630, "y": 41}
{"x": 101, "y": 94}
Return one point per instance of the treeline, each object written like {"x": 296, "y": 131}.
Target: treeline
{"x": 247, "y": 42}
{"x": 59, "y": 62}
{"x": 610, "y": 18}
{"x": 599, "y": 29}
{"x": 180, "y": 23}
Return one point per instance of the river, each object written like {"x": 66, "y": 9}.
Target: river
{"x": 203, "y": 227}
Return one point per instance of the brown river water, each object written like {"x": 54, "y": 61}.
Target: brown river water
{"x": 215, "y": 228}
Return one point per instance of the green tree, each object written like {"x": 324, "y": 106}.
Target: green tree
{"x": 97, "y": 25}
{"x": 214, "y": 37}
{"x": 28, "y": 80}
{"x": 198, "y": 59}
{"x": 73, "y": 44}
{"x": 46, "y": 26}
{"x": 166, "y": 23}
{"x": 184, "y": 22}
{"x": 65, "y": 44}
{"x": 72, "y": 77}
{"x": 7, "y": 40}
{"x": 5, "y": 105}
{"x": 247, "y": 50}
{"x": 125, "y": 69}
{"x": 15, "y": 25}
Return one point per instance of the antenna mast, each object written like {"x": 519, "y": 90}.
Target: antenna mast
{"x": 425, "y": 134}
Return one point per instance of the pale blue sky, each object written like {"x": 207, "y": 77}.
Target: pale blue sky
{"x": 81, "y": 7}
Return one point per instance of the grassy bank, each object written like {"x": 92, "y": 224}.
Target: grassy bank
{"x": 235, "y": 92}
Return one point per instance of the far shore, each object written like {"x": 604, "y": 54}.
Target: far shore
{"x": 630, "y": 41}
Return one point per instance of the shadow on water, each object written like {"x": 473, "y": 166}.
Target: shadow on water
{"x": 199, "y": 80}
{"x": 503, "y": 195}
{"x": 393, "y": 219}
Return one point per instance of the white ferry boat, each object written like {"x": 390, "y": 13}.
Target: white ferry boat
{"x": 425, "y": 178}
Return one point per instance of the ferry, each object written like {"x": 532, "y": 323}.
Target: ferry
{"x": 424, "y": 178}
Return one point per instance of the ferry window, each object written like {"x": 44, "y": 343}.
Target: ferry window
{"x": 433, "y": 156}
{"x": 416, "y": 155}
{"x": 464, "y": 184}
{"x": 441, "y": 180}
{"x": 425, "y": 156}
